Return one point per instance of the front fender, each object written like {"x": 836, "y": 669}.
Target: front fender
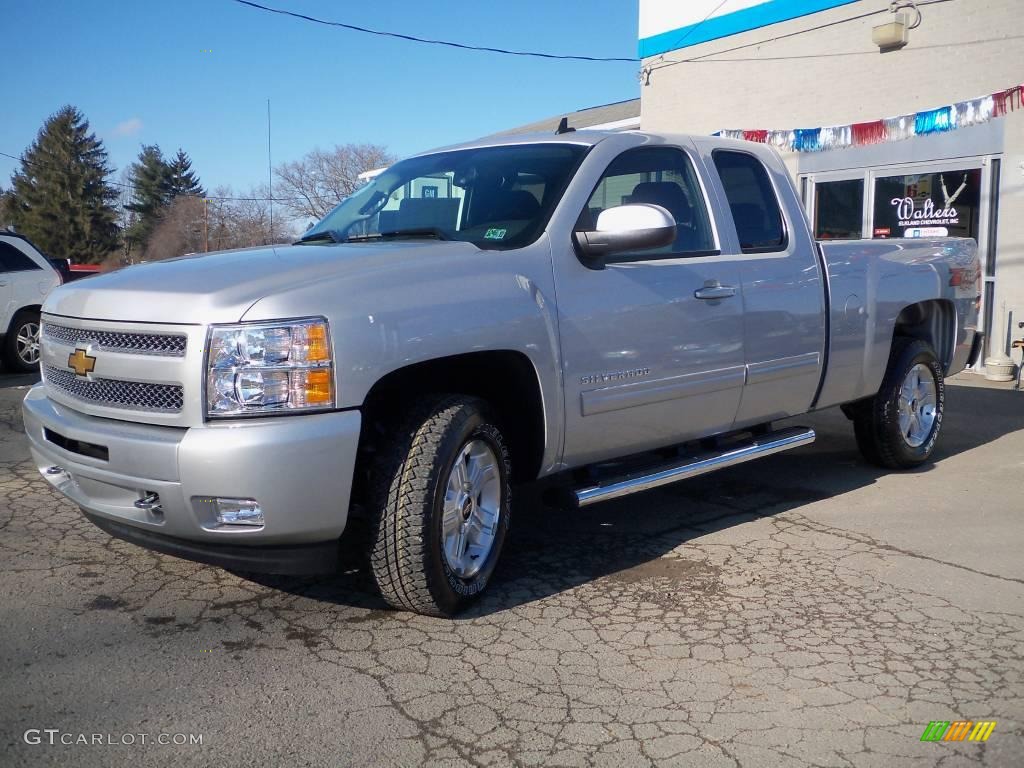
{"x": 468, "y": 301}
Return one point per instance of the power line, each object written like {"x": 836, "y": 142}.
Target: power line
{"x": 663, "y": 62}
{"x": 132, "y": 187}
{"x": 946, "y": 46}
{"x": 699, "y": 24}
{"x": 429, "y": 41}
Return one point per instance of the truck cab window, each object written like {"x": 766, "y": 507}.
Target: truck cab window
{"x": 494, "y": 197}
{"x": 752, "y": 201}
{"x": 663, "y": 176}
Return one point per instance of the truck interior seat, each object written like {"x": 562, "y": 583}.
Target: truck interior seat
{"x": 671, "y": 197}
{"x": 510, "y": 205}
{"x": 668, "y": 195}
{"x": 418, "y": 212}
{"x": 753, "y": 227}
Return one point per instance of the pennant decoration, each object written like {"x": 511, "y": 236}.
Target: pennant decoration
{"x": 867, "y": 133}
{"x": 940, "y": 120}
{"x": 934, "y": 121}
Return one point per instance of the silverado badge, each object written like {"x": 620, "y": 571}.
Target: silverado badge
{"x": 81, "y": 363}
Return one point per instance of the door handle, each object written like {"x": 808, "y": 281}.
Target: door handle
{"x": 715, "y": 291}
{"x": 3, "y": 283}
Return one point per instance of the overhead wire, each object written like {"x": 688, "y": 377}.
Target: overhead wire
{"x": 133, "y": 187}
{"x": 661, "y": 62}
{"x": 432, "y": 41}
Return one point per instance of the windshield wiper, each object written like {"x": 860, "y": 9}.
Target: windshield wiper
{"x": 434, "y": 232}
{"x": 327, "y": 234}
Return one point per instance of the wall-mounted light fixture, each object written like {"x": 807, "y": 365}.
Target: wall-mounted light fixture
{"x": 896, "y": 33}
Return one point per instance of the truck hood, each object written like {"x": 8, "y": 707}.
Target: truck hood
{"x": 220, "y": 287}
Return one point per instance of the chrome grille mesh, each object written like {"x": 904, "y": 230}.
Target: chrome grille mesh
{"x": 172, "y": 345}
{"x": 113, "y": 393}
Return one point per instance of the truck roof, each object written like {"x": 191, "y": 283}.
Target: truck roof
{"x": 583, "y": 137}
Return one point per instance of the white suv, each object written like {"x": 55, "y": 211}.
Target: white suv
{"x": 26, "y": 278}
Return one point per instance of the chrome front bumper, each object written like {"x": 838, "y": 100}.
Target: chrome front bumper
{"x": 299, "y": 469}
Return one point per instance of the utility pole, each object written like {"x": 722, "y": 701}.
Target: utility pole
{"x": 270, "y": 177}
{"x": 206, "y": 225}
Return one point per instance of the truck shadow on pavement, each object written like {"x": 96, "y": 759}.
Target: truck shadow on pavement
{"x": 552, "y": 550}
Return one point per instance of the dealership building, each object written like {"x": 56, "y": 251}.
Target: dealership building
{"x": 896, "y": 119}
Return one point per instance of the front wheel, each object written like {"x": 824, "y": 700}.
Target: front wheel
{"x": 898, "y": 428}
{"x": 440, "y": 500}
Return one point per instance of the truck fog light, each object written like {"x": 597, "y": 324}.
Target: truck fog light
{"x": 241, "y": 512}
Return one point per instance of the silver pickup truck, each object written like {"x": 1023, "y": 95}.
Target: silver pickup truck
{"x": 477, "y": 317}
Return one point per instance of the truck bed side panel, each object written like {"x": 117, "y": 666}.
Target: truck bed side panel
{"x": 871, "y": 283}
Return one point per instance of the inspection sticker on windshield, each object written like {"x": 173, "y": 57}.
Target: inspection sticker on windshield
{"x": 495, "y": 234}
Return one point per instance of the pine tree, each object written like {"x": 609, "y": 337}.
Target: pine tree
{"x": 60, "y": 197}
{"x": 182, "y": 180}
{"x": 151, "y": 192}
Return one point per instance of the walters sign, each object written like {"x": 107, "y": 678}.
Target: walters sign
{"x": 926, "y": 215}
{"x": 928, "y": 205}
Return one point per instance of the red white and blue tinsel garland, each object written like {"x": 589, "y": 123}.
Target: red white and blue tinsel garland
{"x": 959, "y": 115}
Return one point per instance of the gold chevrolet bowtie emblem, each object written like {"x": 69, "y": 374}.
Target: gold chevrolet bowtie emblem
{"x": 81, "y": 363}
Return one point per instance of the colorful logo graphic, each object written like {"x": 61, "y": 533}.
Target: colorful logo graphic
{"x": 959, "y": 730}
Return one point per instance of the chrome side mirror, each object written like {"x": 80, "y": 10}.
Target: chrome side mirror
{"x": 625, "y": 228}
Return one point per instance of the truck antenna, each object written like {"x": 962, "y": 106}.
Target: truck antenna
{"x": 563, "y": 126}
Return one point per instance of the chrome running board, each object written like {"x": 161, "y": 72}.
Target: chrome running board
{"x": 691, "y": 466}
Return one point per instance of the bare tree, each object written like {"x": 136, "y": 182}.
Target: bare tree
{"x": 224, "y": 220}
{"x": 180, "y": 230}
{"x": 312, "y": 186}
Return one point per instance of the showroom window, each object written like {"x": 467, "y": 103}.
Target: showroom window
{"x": 839, "y": 209}
{"x": 928, "y": 204}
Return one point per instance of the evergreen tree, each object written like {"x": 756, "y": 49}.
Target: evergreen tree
{"x": 156, "y": 182}
{"x": 182, "y": 180}
{"x": 151, "y": 192}
{"x": 60, "y": 197}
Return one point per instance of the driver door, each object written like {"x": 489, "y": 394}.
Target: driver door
{"x": 650, "y": 357}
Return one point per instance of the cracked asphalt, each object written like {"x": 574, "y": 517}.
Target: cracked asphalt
{"x": 802, "y": 610}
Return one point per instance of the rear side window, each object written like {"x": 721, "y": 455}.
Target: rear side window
{"x": 13, "y": 260}
{"x": 755, "y": 209}
{"x": 663, "y": 176}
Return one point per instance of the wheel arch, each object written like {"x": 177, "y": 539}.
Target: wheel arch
{"x": 933, "y": 321}
{"x": 506, "y": 379}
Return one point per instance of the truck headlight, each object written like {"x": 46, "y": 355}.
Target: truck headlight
{"x": 260, "y": 368}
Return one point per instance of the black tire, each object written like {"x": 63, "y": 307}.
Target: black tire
{"x": 24, "y": 320}
{"x": 876, "y": 421}
{"x": 407, "y": 493}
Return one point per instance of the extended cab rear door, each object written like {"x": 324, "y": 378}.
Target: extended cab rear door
{"x": 650, "y": 356}
{"x": 784, "y": 320}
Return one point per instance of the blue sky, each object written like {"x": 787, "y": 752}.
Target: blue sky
{"x": 137, "y": 71}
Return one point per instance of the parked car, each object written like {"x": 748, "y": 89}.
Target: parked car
{"x": 620, "y": 310}
{"x": 78, "y": 271}
{"x": 26, "y": 279}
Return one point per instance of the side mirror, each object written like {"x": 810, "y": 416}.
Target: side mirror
{"x": 625, "y": 228}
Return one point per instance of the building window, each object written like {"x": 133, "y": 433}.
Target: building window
{"x": 928, "y": 204}
{"x": 755, "y": 209}
{"x": 838, "y": 209}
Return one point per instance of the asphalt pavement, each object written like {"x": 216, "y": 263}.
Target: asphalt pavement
{"x": 805, "y": 609}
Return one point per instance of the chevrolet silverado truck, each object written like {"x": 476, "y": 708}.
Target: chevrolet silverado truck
{"x": 619, "y": 310}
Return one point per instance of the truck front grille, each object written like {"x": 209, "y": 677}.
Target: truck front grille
{"x": 169, "y": 344}
{"x": 113, "y": 393}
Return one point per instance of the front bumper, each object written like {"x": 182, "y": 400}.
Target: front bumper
{"x": 299, "y": 469}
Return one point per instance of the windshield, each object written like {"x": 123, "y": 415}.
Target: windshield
{"x": 494, "y": 197}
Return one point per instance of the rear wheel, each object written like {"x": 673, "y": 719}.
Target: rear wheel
{"x": 898, "y": 428}
{"x": 439, "y": 498}
{"x": 21, "y": 345}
